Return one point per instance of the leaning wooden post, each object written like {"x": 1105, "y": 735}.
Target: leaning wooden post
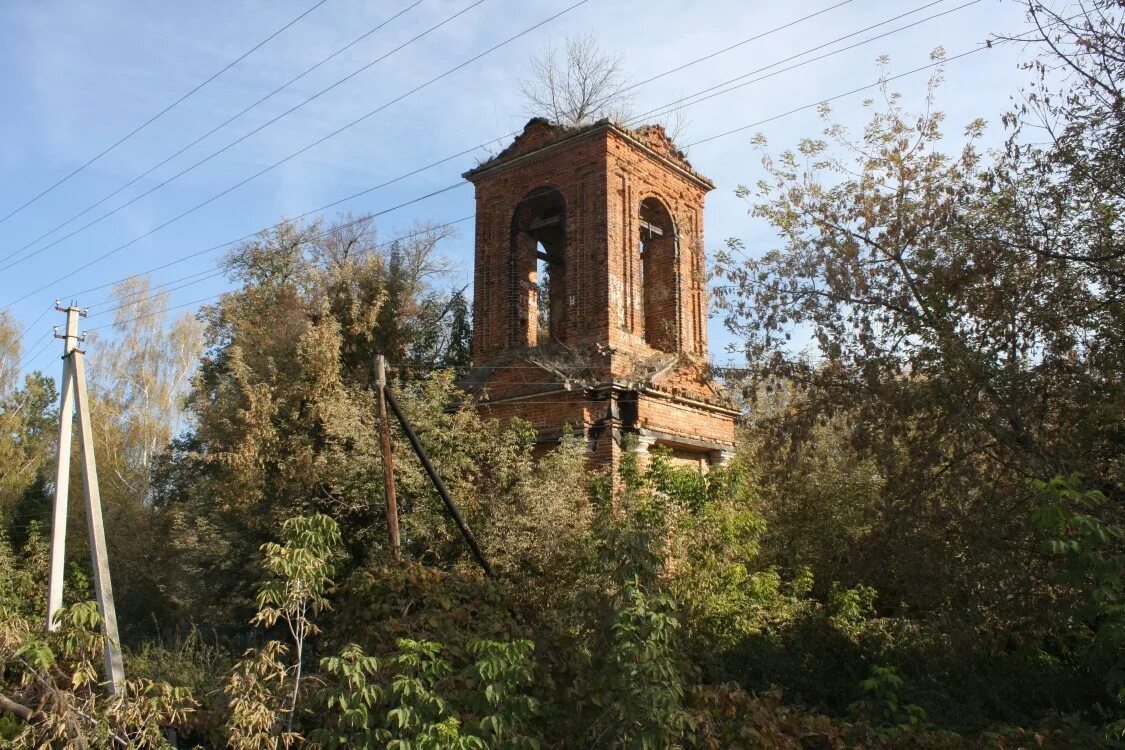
{"x": 439, "y": 485}
{"x": 388, "y": 457}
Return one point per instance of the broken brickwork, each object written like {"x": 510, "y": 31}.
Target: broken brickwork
{"x": 590, "y": 309}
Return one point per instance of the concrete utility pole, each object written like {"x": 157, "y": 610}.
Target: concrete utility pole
{"x": 388, "y": 458}
{"x": 74, "y": 393}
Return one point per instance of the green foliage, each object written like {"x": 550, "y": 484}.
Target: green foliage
{"x": 256, "y": 690}
{"x": 380, "y": 604}
{"x": 637, "y": 692}
{"x": 195, "y": 663}
{"x": 414, "y": 712}
{"x": 881, "y": 705}
{"x": 850, "y": 609}
{"x": 349, "y": 698}
{"x": 420, "y": 717}
{"x": 875, "y": 569}
{"x": 55, "y": 676}
{"x": 505, "y": 713}
{"x": 300, "y": 573}
{"x": 29, "y": 424}
{"x": 725, "y": 589}
{"x": 1093, "y": 572}
{"x": 22, "y": 576}
{"x": 281, "y": 405}
{"x": 301, "y": 570}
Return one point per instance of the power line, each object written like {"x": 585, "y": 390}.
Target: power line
{"x": 164, "y": 111}
{"x": 143, "y": 293}
{"x": 218, "y": 127}
{"x": 31, "y": 325}
{"x": 306, "y": 148}
{"x": 384, "y": 184}
{"x": 238, "y": 140}
{"x": 741, "y": 128}
{"x": 880, "y": 82}
{"x": 158, "y": 312}
{"x": 808, "y": 106}
{"x": 736, "y": 45}
{"x": 141, "y": 297}
{"x": 34, "y": 363}
{"x": 321, "y": 234}
{"x": 698, "y": 97}
{"x": 631, "y": 87}
{"x": 137, "y": 300}
{"x": 474, "y": 148}
{"x": 444, "y": 160}
{"x": 852, "y": 92}
{"x": 255, "y": 234}
{"x": 28, "y": 358}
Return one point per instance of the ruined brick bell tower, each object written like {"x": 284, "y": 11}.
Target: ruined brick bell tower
{"x": 590, "y": 309}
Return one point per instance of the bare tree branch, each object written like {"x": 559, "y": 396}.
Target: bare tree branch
{"x": 576, "y": 85}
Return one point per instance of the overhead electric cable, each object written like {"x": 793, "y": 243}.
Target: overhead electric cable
{"x": 150, "y": 292}
{"x": 242, "y": 138}
{"x": 162, "y": 112}
{"x": 817, "y": 47}
{"x": 159, "y": 312}
{"x": 293, "y": 155}
{"x": 213, "y": 248}
{"x": 146, "y": 297}
{"x": 705, "y": 94}
{"x": 28, "y": 358}
{"x": 321, "y": 140}
{"x": 105, "y": 255}
{"x": 852, "y": 92}
{"x": 736, "y": 45}
{"x": 474, "y": 148}
{"x": 420, "y": 169}
{"x": 368, "y": 33}
{"x": 758, "y": 123}
{"x": 31, "y": 325}
{"x": 218, "y": 127}
{"x": 245, "y": 237}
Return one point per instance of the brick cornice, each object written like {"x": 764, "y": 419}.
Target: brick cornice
{"x": 500, "y": 164}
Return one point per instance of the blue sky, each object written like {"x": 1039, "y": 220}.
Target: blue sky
{"x": 75, "y": 76}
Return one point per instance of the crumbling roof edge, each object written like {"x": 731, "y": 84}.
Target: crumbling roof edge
{"x": 499, "y": 163}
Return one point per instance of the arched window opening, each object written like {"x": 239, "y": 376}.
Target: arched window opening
{"x": 659, "y": 296}
{"x": 539, "y": 264}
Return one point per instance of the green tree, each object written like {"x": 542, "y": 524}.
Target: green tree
{"x": 948, "y": 351}
{"x": 282, "y": 410}
{"x": 28, "y": 424}
{"x": 51, "y": 683}
{"x": 1092, "y": 609}
{"x": 301, "y": 570}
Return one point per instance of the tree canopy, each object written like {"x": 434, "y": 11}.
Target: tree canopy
{"x": 920, "y": 542}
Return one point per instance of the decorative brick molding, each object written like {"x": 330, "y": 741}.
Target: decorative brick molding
{"x": 590, "y": 308}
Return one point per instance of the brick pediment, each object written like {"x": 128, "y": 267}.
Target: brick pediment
{"x": 539, "y": 133}
{"x": 656, "y": 139}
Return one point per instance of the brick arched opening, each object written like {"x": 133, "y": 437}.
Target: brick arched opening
{"x": 659, "y": 249}
{"x": 538, "y": 264}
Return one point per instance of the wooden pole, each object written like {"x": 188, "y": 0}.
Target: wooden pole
{"x": 99, "y": 557}
{"x": 62, "y": 469}
{"x": 439, "y": 485}
{"x": 388, "y": 457}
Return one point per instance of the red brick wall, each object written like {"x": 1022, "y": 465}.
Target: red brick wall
{"x": 635, "y": 175}
{"x": 577, "y": 173}
{"x": 610, "y": 299}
